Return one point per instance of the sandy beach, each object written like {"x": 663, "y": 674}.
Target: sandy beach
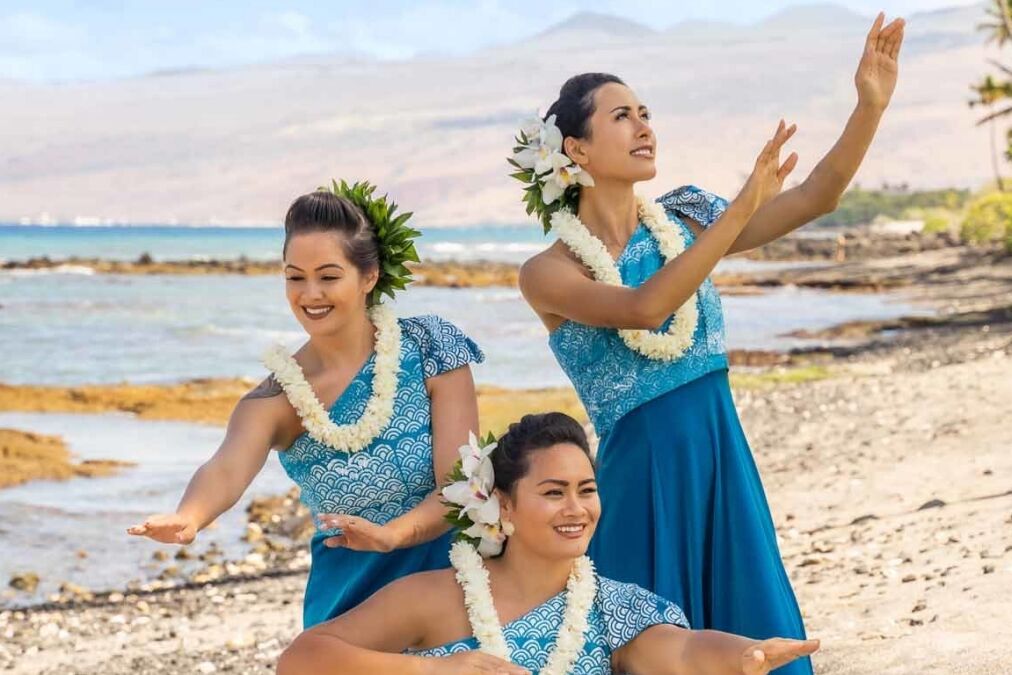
{"x": 886, "y": 462}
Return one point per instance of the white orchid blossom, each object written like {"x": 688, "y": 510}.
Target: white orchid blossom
{"x": 475, "y": 496}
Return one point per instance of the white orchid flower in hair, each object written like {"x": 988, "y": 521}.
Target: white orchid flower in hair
{"x": 490, "y": 538}
{"x": 564, "y": 174}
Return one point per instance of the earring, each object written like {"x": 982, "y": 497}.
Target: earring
{"x": 508, "y": 529}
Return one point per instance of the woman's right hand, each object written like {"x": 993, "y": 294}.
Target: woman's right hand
{"x": 168, "y": 528}
{"x": 466, "y": 663}
{"x": 767, "y": 179}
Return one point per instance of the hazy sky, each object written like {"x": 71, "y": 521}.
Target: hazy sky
{"x": 54, "y": 40}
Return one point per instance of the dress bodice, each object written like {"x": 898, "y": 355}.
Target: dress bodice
{"x": 620, "y": 613}
{"x": 609, "y": 377}
{"x": 394, "y": 473}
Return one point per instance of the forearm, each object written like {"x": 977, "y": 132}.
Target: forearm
{"x": 710, "y": 652}
{"x": 836, "y": 170}
{"x": 679, "y": 279}
{"x": 212, "y": 491}
{"x": 820, "y": 192}
{"x": 421, "y": 524}
{"x": 323, "y": 654}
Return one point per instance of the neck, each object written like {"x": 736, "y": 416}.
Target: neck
{"x": 351, "y": 343}
{"x": 528, "y": 575}
{"x": 608, "y": 210}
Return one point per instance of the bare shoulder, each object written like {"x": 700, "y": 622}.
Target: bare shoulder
{"x": 269, "y": 388}
{"x": 266, "y": 408}
{"x": 426, "y": 594}
{"x": 547, "y": 265}
{"x": 432, "y": 584}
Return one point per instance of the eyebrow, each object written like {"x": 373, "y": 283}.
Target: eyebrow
{"x": 565, "y": 483}
{"x": 317, "y": 269}
{"x": 626, "y": 107}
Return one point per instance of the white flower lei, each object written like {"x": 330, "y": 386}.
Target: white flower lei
{"x": 592, "y": 252}
{"x": 581, "y": 588}
{"x": 378, "y": 410}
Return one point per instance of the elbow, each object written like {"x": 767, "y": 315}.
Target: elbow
{"x": 303, "y": 657}
{"x": 822, "y": 202}
{"x": 644, "y": 315}
{"x": 826, "y": 206}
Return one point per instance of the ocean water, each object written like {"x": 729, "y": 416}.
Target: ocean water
{"x": 20, "y": 242}
{"x": 44, "y": 523}
{"x": 78, "y": 328}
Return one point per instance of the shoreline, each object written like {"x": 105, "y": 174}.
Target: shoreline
{"x": 859, "y": 269}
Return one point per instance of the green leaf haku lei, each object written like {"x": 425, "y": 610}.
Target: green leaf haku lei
{"x": 396, "y": 240}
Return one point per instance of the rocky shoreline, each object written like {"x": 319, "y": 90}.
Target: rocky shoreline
{"x": 26, "y": 456}
{"x": 446, "y": 274}
{"x": 848, "y": 265}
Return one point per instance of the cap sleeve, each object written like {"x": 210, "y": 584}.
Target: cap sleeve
{"x": 628, "y": 610}
{"x": 702, "y": 206}
{"x": 444, "y": 347}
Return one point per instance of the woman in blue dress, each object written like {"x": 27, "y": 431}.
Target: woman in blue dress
{"x": 364, "y": 416}
{"x": 637, "y": 326}
{"x": 536, "y": 607}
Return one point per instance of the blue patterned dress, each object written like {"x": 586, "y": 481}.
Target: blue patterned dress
{"x": 620, "y": 613}
{"x": 683, "y": 509}
{"x": 381, "y": 482}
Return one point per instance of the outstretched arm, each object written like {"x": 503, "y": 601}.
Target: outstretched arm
{"x": 669, "y": 650}
{"x": 821, "y": 190}
{"x": 372, "y": 637}
{"x": 220, "y": 482}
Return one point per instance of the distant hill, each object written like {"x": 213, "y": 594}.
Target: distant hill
{"x": 236, "y": 145}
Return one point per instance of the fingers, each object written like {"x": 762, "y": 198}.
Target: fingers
{"x": 888, "y": 35}
{"x": 771, "y": 150}
{"x": 896, "y": 43}
{"x": 780, "y": 651}
{"x": 166, "y": 524}
{"x": 873, "y": 34}
{"x": 339, "y": 521}
{"x": 337, "y": 541}
{"x": 788, "y": 167}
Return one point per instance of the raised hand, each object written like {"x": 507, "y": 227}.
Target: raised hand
{"x": 879, "y": 66}
{"x": 466, "y": 663}
{"x": 358, "y": 534}
{"x": 762, "y": 657}
{"x": 767, "y": 179}
{"x": 168, "y": 528}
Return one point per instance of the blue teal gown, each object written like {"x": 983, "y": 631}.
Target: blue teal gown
{"x": 620, "y": 613}
{"x": 381, "y": 482}
{"x": 683, "y": 509}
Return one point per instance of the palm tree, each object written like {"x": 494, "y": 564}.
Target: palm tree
{"x": 990, "y": 91}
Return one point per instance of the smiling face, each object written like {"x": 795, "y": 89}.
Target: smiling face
{"x": 620, "y": 144}
{"x": 554, "y": 507}
{"x": 324, "y": 288}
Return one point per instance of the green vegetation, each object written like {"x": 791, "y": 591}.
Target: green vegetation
{"x": 860, "y": 206}
{"x": 989, "y": 218}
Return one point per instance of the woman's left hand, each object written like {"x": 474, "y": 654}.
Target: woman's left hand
{"x": 878, "y": 70}
{"x": 358, "y": 534}
{"x": 762, "y": 657}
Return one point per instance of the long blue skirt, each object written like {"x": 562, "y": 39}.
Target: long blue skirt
{"x": 685, "y": 516}
{"x": 340, "y": 579}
